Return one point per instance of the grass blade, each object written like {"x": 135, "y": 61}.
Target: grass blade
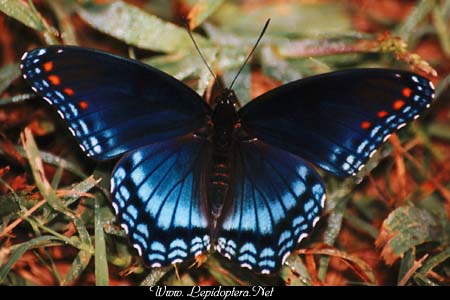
{"x": 24, "y": 13}
{"x": 359, "y": 266}
{"x": 78, "y": 265}
{"x": 331, "y": 233}
{"x": 419, "y": 13}
{"x": 48, "y": 192}
{"x": 101, "y": 262}
{"x": 54, "y": 160}
{"x": 20, "y": 249}
{"x": 8, "y": 74}
{"x": 434, "y": 261}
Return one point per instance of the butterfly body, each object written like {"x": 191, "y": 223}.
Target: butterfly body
{"x": 240, "y": 181}
{"x": 223, "y": 121}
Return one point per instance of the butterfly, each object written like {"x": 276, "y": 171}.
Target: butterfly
{"x": 192, "y": 177}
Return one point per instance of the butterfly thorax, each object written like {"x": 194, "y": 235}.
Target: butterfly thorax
{"x": 224, "y": 120}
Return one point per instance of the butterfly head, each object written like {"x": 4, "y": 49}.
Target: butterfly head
{"x": 224, "y": 117}
{"x": 226, "y": 96}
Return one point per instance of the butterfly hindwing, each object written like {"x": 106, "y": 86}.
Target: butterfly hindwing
{"x": 337, "y": 120}
{"x": 112, "y": 104}
{"x": 278, "y": 199}
{"x": 157, "y": 195}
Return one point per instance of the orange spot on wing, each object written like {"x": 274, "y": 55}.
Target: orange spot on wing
{"x": 398, "y": 104}
{"x": 69, "y": 91}
{"x": 365, "y": 124}
{"x": 382, "y": 114}
{"x": 48, "y": 66}
{"x": 55, "y": 80}
{"x": 406, "y": 92}
{"x": 83, "y": 105}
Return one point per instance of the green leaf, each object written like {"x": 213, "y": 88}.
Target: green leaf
{"x": 405, "y": 228}
{"x": 138, "y": 28}
{"x": 8, "y": 74}
{"x": 20, "y": 249}
{"x": 24, "y": 13}
{"x": 201, "y": 11}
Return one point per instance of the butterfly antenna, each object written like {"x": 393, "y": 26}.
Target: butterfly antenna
{"x": 251, "y": 53}
{"x": 201, "y": 54}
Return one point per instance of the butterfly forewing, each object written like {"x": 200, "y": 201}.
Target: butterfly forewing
{"x": 157, "y": 195}
{"x": 337, "y": 120}
{"x": 112, "y": 104}
{"x": 278, "y": 199}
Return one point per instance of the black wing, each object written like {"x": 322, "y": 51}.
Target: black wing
{"x": 112, "y": 104}
{"x": 337, "y": 120}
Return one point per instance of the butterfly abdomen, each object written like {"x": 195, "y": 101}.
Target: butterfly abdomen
{"x": 223, "y": 119}
{"x": 219, "y": 184}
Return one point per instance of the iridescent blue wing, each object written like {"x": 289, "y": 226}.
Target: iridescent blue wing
{"x": 337, "y": 120}
{"x": 112, "y": 104}
{"x": 278, "y": 199}
{"x": 157, "y": 195}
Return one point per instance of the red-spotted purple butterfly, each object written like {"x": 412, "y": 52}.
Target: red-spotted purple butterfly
{"x": 193, "y": 177}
